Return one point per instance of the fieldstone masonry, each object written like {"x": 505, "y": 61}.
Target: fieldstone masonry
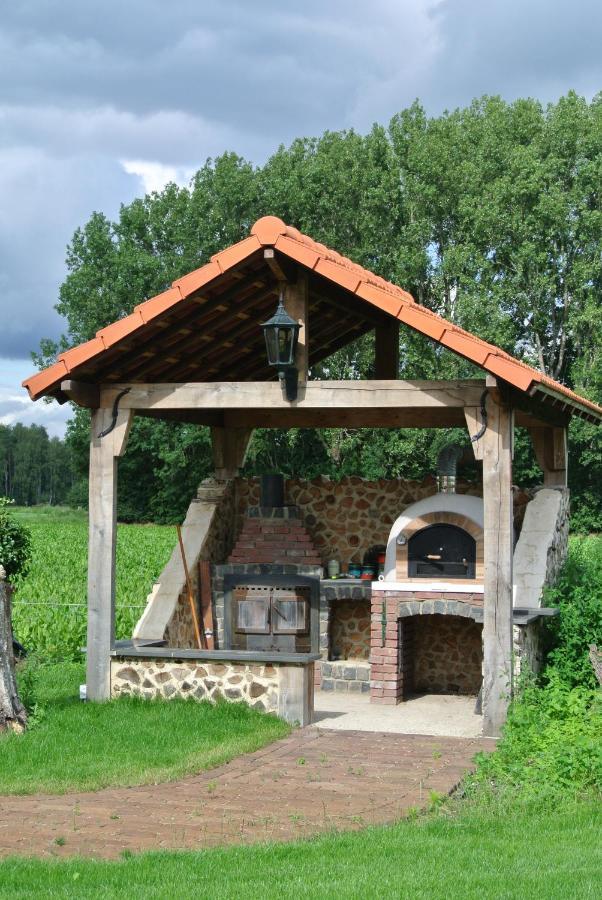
{"x": 344, "y": 637}
{"x": 254, "y": 684}
{"x": 350, "y": 630}
{"x": 347, "y": 518}
{"x": 447, "y": 655}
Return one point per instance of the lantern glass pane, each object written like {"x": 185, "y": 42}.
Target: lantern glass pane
{"x": 271, "y": 343}
{"x": 285, "y": 344}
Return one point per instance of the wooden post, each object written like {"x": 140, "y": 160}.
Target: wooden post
{"x": 498, "y": 550}
{"x": 229, "y": 447}
{"x": 550, "y": 446}
{"x": 296, "y": 303}
{"x": 386, "y": 350}
{"x": 101, "y": 547}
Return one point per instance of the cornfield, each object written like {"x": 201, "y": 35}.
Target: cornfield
{"x": 49, "y": 605}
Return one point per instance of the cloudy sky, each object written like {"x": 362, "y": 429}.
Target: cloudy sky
{"x": 102, "y": 101}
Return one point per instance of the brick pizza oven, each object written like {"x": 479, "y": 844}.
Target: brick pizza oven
{"x": 427, "y": 612}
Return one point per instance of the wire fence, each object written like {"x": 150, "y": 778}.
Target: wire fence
{"x": 46, "y": 603}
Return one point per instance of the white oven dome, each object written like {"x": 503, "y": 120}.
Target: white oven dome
{"x": 460, "y": 504}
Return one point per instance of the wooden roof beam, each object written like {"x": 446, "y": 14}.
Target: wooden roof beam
{"x": 347, "y": 395}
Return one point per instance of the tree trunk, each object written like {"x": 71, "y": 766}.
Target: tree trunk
{"x": 12, "y": 711}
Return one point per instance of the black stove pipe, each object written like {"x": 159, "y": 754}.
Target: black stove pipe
{"x": 271, "y": 491}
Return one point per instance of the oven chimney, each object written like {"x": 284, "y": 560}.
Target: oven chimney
{"x": 271, "y": 491}
{"x": 447, "y": 466}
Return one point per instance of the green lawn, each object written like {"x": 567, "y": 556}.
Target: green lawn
{"x": 87, "y": 746}
{"x": 525, "y": 853}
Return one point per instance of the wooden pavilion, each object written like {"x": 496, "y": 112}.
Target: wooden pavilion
{"x": 196, "y": 353}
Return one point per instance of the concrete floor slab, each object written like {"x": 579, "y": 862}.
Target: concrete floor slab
{"x": 430, "y": 714}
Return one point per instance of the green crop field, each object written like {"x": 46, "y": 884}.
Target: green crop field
{"x": 49, "y": 609}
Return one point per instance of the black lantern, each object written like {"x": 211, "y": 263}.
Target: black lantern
{"x": 281, "y": 336}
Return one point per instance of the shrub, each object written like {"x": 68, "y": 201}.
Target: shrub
{"x": 15, "y": 543}
{"x": 551, "y": 743}
{"x": 578, "y": 595}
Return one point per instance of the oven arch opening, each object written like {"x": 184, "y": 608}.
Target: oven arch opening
{"x": 442, "y": 551}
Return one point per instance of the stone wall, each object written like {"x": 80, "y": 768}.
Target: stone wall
{"x": 286, "y": 689}
{"x": 347, "y": 676}
{"x": 448, "y": 655}
{"x": 347, "y": 518}
{"x": 350, "y": 630}
{"x": 528, "y": 648}
{"x": 254, "y": 684}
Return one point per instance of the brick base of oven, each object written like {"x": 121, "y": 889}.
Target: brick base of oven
{"x": 441, "y": 655}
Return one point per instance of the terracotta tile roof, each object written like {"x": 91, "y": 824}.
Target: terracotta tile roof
{"x": 379, "y": 293}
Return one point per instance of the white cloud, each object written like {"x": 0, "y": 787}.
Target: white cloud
{"x": 15, "y": 405}
{"x": 100, "y": 102}
{"x": 154, "y": 175}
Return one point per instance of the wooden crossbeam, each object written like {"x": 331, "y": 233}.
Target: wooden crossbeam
{"x": 349, "y": 395}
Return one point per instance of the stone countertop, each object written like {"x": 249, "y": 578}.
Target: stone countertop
{"x": 347, "y": 581}
{"x": 524, "y": 615}
{"x": 126, "y": 649}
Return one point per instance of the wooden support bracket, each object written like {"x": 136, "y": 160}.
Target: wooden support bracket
{"x": 474, "y": 423}
{"x": 386, "y": 350}
{"x": 551, "y": 452}
{"x": 81, "y": 393}
{"x": 230, "y": 446}
{"x": 280, "y": 269}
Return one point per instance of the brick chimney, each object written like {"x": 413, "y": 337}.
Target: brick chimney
{"x": 274, "y": 534}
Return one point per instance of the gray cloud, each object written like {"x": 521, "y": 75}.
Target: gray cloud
{"x": 100, "y": 100}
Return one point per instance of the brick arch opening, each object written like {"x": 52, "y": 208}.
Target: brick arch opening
{"x": 441, "y": 654}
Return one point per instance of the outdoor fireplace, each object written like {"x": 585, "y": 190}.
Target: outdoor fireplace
{"x": 272, "y": 612}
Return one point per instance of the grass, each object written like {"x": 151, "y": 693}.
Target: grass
{"x": 40, "y": 515}
{"x": 525, "y": 853}
{"x": 87, "y": 746}
{"x": 49, "y": 607}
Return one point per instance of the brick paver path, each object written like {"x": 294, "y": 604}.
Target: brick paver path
{"x": 310, "y": 782}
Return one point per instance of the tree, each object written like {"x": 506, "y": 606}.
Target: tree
{"x": 490, "y": 215}
{"x": 15, "y": 548}
{"x": 33, "y": 468}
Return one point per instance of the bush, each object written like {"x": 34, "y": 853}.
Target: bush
{"x": 15, "y": 543}
{"x": 551, "y": 743}
{"x": 578, "y": 595}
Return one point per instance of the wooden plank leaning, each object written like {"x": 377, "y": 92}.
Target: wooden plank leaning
{"x": 195, "y": 621}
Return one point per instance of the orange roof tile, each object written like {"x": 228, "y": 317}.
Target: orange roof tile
{"x": 271, "y": 231}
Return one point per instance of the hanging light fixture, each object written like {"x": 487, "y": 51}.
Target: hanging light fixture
{"x": 281, "y": 335}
